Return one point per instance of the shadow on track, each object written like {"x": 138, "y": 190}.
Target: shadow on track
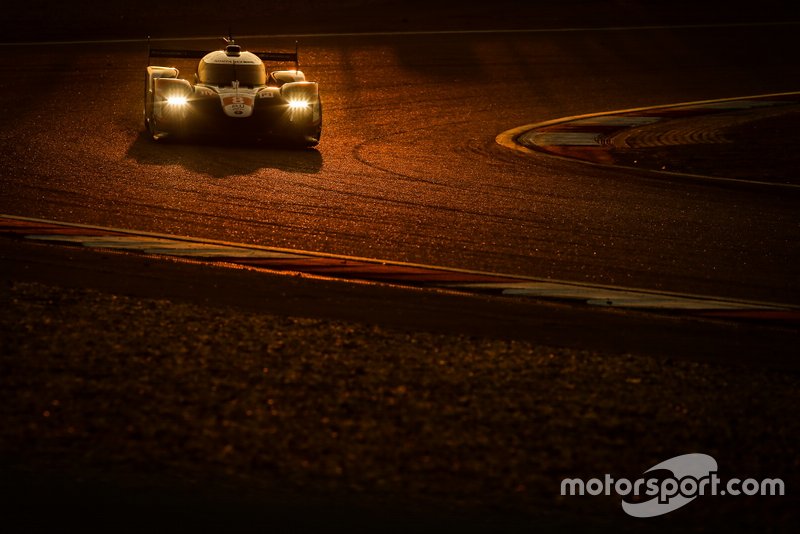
{"x": 224, "y": 158}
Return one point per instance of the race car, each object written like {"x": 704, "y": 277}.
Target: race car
{"x": 232, "y": 95}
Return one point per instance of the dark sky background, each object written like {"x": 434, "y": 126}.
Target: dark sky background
{"x": 94, "y": 19}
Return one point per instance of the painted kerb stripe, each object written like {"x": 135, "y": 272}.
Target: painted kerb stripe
{"x": 340, "y": 267}
{"x": 589, "y": 138}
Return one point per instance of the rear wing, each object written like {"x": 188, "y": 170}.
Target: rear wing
{"x": 189, "y": 54}
{"x": 199, "y": 54}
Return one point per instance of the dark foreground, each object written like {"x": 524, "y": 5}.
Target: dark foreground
{"x": 126, "y": 410}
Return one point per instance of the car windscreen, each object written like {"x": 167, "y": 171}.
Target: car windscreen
{"x": 225, "y": 73}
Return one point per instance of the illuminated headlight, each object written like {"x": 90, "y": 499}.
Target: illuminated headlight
{"x": 177, "y": 100}
{"x": 298, "y": 104}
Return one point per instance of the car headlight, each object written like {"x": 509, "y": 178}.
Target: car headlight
{"x": 298, "y": 104}
{"x": 177, "y": 100}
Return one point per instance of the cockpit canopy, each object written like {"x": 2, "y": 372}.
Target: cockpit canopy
{"x": 219, "y": 68}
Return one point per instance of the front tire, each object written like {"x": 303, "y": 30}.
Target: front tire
{"x": 313, "y": 140}
{"x": 156, "y": 132}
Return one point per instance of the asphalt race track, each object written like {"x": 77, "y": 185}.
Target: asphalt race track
{"x": 408, "y": 168}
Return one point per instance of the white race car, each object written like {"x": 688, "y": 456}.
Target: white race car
{"x": 232, "y": 94}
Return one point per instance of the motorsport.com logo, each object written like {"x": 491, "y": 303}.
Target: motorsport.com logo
{"x": 693, "y": 475}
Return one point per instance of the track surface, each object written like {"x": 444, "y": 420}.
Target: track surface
{"x": 408, "y": 168}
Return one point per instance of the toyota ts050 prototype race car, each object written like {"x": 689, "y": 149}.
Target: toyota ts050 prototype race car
{"x": 232, "y": 94}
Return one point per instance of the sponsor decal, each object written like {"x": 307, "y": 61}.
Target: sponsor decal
{"x": 238, "y": 106}
{"x": 237, "y": 100}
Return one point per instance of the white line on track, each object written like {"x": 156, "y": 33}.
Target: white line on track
{"x": 620, "y": 297}
{"x": 420, "y": 32}
{"x": 165, "y": 246}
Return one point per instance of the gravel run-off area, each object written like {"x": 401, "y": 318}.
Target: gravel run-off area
{"x": 152, "y": 397}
